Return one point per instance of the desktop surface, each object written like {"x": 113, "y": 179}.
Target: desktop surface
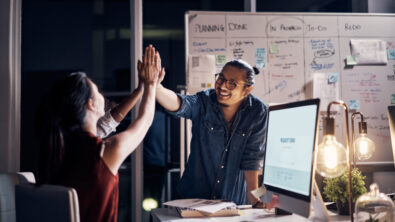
{"x": 171, "y": 215}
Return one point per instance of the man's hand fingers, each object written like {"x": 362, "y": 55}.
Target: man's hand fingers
{"x": 145, "y": 60}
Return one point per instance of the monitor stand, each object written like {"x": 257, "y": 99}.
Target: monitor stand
{"x": 318, "y": 206}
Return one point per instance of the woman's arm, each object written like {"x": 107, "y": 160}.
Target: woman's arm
{"x": 112, "y": 118}
{"x": 119, "y": 146}
{"x": 120, "y": 111}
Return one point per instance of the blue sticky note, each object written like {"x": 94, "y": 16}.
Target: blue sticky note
{"x": 391, "y": 54}
{"x": 333, "y": 77}
{"x": 260, "y": 53}
{"x": 260, "y": 58}
{"x": 353, "y": 104}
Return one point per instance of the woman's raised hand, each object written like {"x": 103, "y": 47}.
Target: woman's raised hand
{"x": 150, "y": 67}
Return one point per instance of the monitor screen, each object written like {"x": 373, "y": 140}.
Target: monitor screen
{"x": 289, "y": 152}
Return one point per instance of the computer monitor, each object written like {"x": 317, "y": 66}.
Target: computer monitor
{"x": 288, "y": 170}
{"x": 391, "y": 120}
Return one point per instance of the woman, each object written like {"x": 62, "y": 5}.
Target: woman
{"x": 75, "y": 156}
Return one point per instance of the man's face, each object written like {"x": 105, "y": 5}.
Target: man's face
{"x": 229, "y": 76}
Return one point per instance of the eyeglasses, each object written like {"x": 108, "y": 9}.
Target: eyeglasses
{"x": 230, "y": 84}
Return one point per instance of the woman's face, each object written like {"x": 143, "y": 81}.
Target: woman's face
{"x": 98, "y": 100}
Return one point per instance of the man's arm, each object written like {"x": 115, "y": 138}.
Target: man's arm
{"x": 167, "y": 98}
{"x": 251, "y": 177}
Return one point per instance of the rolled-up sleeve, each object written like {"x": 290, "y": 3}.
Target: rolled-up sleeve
{"x": 254, "y": 150}
{"x": 106, "y": 125}
{"x": 190, "y": 105}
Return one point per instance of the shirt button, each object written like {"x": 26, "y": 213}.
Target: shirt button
{"x": 222, "y": 166}
{"x": 226, "y": 150}
{"x": 243, "y": 134}
{"x": 218, "y": 181}
{"x": 212, "y": 128}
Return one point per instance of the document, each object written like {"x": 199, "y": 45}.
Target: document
{"x": 201, "y": 72}
{"x": 369, "y": 51}
{"x": 203, "y": 205}
{"x": 325, "y": 88}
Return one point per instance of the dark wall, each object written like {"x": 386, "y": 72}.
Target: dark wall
{"x": 59, "y": 37}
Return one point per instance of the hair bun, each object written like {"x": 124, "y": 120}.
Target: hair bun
{"x": 256, "y": 70}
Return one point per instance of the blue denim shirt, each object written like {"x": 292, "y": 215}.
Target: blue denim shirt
{"x": 218, "y": 158}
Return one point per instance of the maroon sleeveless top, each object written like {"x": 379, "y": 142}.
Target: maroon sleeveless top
{"x": 96, "y": 186}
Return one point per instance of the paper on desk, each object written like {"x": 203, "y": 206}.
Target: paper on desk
{"x": 324, "y": 90}
{"x": 257, "y": 193}
{"x": 203, "y": 205}
{"x": 369, "y": 51}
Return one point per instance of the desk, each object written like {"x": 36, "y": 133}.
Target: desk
{"x": 171, "y": 215}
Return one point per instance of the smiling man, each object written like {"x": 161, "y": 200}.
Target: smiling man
{"x": 228, "y": 133}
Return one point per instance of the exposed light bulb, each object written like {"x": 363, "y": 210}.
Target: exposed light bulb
{"x": 331, "y": 157}
{"x": 364, "y": 147}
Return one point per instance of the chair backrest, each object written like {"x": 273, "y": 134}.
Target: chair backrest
{"x": 46, "y": 203}
{"x": 7, "y": 193}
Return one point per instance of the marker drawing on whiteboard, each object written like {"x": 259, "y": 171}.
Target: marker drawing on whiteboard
{"x": 278, "y": 87}
{"x": 202, "y": 28}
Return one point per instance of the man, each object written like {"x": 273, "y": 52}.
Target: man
{"x": 228, "y": 133}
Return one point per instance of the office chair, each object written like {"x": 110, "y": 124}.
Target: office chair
{"x": 46, "y": 203}
{"x": 7, "y": 193}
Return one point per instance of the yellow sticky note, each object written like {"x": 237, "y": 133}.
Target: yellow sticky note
{"x": 274, "y": 49}
{"x": 351, "y": 60}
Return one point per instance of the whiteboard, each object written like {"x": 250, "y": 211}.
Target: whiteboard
{"x": 292, "y": 50}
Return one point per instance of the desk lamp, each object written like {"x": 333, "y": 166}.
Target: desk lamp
{"x": 332, "y": 158}
{"x": 363, "y": 147}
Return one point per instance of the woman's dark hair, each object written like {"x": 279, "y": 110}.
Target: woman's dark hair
{"x": 250, "y": 71}
{"x": 65, "y": 114}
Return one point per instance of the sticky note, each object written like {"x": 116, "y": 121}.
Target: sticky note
{"x": 208, "y": 85}
{"x": 333, "y": 77}
{"x": 260, "y": 55}
{"x": 351, "y": 60}
{"x": 391, "y": 54}
{"x": 274, "y": 49}
{"x": 393, "y": 99}
{"x": 220, "y": 59}
{"x": 353, "y": 104}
